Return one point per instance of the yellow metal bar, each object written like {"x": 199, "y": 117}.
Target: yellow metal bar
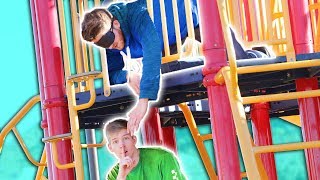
{"x": 190, "y": 27}
{"x": 314, "y": 6}
{"x": 244, "y": 137}
{"x": 44, "y": 178}
{"x": 206, "y": 137}
{"x": 286, "y": 147}
{"x": 103, "y": 143}
{"x": 170, "y": 58}
{"x": 243, "y": 174}
{"x": 263, "y": 16}
{"x": 92, "y": 97}
{"x": 56, "y": 160}
{"x": 279, "y": 66}
{"x": 229, "y": 45}
{"x": 40, "y": 170}
{"x": 76, "y": 34}
{"x": 268, "y": 42}
{"x": 16, "y": 119}
{"x": 281, "y": 96}
{"x": 75, "y": 130}
{"x": 176, "y": 25}
{"x": 253, "y": 20}
{"x": 25, "y": 149}
{"x": 97, "y": 2}
{"x": 236, "y": 14}
{"x": 105, "y": 73}
{"x": 291, "y": 55}
{"x": 164, "y": 28}
{"x": 270, "y": 67}
{"x": 91, "y": 58}
{"x": 269, "y": 11}
{"x": 259, "y": 20}
{"x": 150, "y": 8}
{"x": 317, "y": 35}
{"x": 85, "y": 62}
{"x": 197, "y": 138}
{"x": 243, "y": 21}
{"x": 277, "y": 15}
{"x": 63, "y": 33}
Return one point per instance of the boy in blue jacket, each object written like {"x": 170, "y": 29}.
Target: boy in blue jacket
{"x": 122, "y": 26}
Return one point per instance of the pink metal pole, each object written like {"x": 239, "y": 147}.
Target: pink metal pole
{"x": 44, "y": 123}
{"x": 223, "y": 130}
{"x": 310, "y": 125}
{"x": 301, "y": 26}
{"x": 262, "y": 135}
{"x": 308, "y": 107}
{"x": 51, "y": 83}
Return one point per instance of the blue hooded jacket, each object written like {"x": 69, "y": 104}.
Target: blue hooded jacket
{"x": 144, "y": 39}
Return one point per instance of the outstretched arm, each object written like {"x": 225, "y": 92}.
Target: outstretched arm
{"x": 145, "y": 32}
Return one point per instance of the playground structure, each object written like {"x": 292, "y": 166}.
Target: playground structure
{"x": 269, "y": 86}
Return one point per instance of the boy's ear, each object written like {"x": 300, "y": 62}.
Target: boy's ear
{"x": 110, "y": 147}
{"x": 116, "y": 24}
{"x": 135, "y": 139}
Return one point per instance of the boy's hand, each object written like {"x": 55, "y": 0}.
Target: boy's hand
{"x": 126, "y": 164}
{"x": 136, "y": 115}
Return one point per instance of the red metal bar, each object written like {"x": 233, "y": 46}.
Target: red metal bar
{"x": 223, "y": 129}
{"x": 169, "y": 138}
{"x": 151, "y": 129}
{"x": 247, "y": 19}
{"x": 310, "y": 125}
{"x": 301, "y": 26}
{"x": 154, "y": 134}
{"x": 52, "y": 84}
{"x": 262, "y": 135}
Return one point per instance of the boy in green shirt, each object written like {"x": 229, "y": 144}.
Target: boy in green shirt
{"x": 138, "y": 163}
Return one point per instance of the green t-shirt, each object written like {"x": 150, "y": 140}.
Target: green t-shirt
{"x": 154, "y": 163}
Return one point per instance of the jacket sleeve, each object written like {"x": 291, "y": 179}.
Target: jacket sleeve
{"x": 115, "y": 65}
{"x": 145, "y": 32}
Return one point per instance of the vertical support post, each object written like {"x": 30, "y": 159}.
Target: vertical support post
{"x": 301, "y": 26}
{"x": 308, "y": 107}
{"x": 262, "y": 135}
{"x": 92, "y": 155}
{"x": 151, "y": 128}
{"x": 52, "y": 89}
{"x": 169, "y": 138}
{"x": 152, "y": 132}
{"x": 247, "y": 20}
{"x": 310, "y": 124}
{"x": 44, "y": 123}
{"x": 223, "y": 129}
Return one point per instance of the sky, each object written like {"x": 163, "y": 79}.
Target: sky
{"x": 20, "y": 83}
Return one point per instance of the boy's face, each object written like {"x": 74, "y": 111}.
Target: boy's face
{"x": 121, "y": 143}
{"x": 118, "y": 42}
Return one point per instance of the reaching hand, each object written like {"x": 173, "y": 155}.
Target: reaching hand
{"x": 126, "y": 164}
{"x": 136, "y": 115}
{"x": 134, "y": 82}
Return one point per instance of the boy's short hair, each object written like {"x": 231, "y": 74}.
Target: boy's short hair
{"x": 115, "y": 126}
{"x": 93, "y": 22}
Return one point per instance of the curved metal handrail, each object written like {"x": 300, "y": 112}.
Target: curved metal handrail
{"x": 16, "y": 119}
{"x": 12, "y": 126}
